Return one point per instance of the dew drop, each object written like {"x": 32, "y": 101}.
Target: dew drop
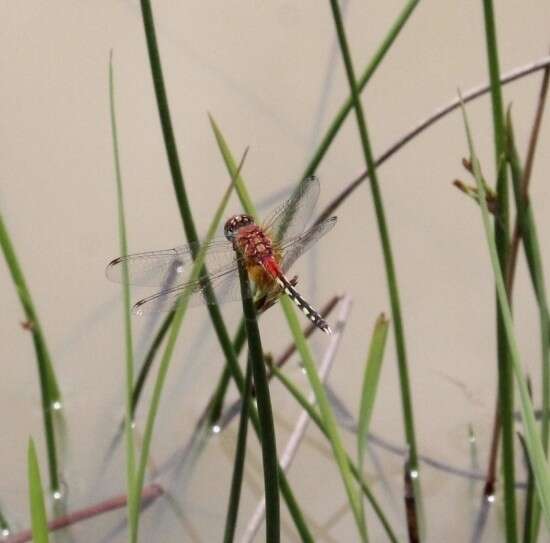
{"x": 216, "y": 429}
{"x": 491, "y": 498}
{"x": 57, "y": 495}
{"x": 472, "y": 438}
{"x": 179, "y": 269}
{"x": 139, "y": 312}
{"x": 5, "y": 532}
{"x": 414, "y": 474}
{"x": 133, "y": 425}
{"x": 56, "y": 406}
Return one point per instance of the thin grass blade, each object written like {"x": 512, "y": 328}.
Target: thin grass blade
{"x": 541, "y": 469}
{"x": 179, "y": 315}
{"x": 49, "y": 389}
{"x": 36, "y": 497}
{"x": 303, "y": 348}
{"x": 371, "y": 379}
{"x": 127, "y": 310}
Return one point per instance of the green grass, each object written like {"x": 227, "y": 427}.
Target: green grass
{"x": 127, "y": 309}
{"x": 534, "y": 439}
{"x": 36, "y": 498}
{"x": 49, "y": 390}
{"x": 539, "y": 464}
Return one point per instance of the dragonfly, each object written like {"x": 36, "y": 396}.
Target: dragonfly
{"x": 267, "y": 250}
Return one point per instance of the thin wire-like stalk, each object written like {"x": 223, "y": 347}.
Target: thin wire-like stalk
{"x": 406, "y": 399}
{"x": 49, "y": 390}
{"x": 238, "y": 465}
{"x": 300, "y": 428}
{"x": 533, "y": 139}
{"x": 439, "y": 114}
{"x": 267, "y": 427}
{"x": 369, "y": 71}
{"x": 505, "y": 383}
{"x": 127, "y": 306}
{"x": 540, "y": 466}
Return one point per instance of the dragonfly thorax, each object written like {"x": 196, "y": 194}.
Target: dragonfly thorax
{"x": 234, "y": 224}
{"x": 255, "y": 245}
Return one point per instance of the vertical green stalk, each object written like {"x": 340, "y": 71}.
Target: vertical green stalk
{"x": 238, "y": 466}
{"x": 386, "y": 244}
{"x": 267, "y": 428}
{"x": 369, "y": 71}
{"x": 49, "y": 390}
{"x": 326, "y": 414}
{"x": 527, "y": 227}
{"x": 303, "y": 348}
{"x": 180, "y": 310}
{"x": 127, "y": 312}
{"x": 537, "y": 458}
{"x": 505, "y": 383}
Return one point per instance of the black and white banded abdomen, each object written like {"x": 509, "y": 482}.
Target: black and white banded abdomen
{"x": 305, "y": 307}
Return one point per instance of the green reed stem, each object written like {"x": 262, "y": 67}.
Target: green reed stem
{"x": 505, "y": 379}
{"x": 326, "y": 414}
{"x": 356, "y": 472}
{"x": 369, "y": 71}
{"x": 127, "y": 311}
{"x": 49, "y": 389}
{"x": 179, "y": 314}
{"x": 267, "y": 428}
{"x": 539, "y": 464}
{"x": 391, "y": 277}
{"x": 238, "y": 466}
{"x": 300, "y": 340}
{"x": 527, "y": 226}
{"x": 223, "y": 382}
{"x": 149, "y": 359}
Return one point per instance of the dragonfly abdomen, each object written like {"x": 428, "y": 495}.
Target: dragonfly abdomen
{"x": 311, "y": 313}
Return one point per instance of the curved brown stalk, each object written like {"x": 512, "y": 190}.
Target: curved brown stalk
{"x": 468, "y": 96}
{"x": 149, "y": 494}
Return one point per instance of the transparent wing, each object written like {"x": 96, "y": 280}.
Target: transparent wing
{"x": 170, "y": 266}
{"x": 295, "y": 248}
{"x": 226, "y": 288}
{"x": 291, "y": 217}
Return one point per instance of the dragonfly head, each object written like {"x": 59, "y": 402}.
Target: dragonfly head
{"x": 235, "y": 223}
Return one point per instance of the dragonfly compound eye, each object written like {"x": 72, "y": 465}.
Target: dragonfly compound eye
{"x": 235, "y": 223}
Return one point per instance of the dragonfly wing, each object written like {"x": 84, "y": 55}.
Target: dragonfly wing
{"x": 291, "y": 217}
{"x": 168, "y": 267}
{"x": 294, "y": 248}
{"x": 225, "y": 287}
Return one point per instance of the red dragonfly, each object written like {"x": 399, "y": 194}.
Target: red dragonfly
{"x": 268, "y": 252}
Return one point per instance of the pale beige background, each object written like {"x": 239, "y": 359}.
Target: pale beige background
{"x": 260, "y": 68}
